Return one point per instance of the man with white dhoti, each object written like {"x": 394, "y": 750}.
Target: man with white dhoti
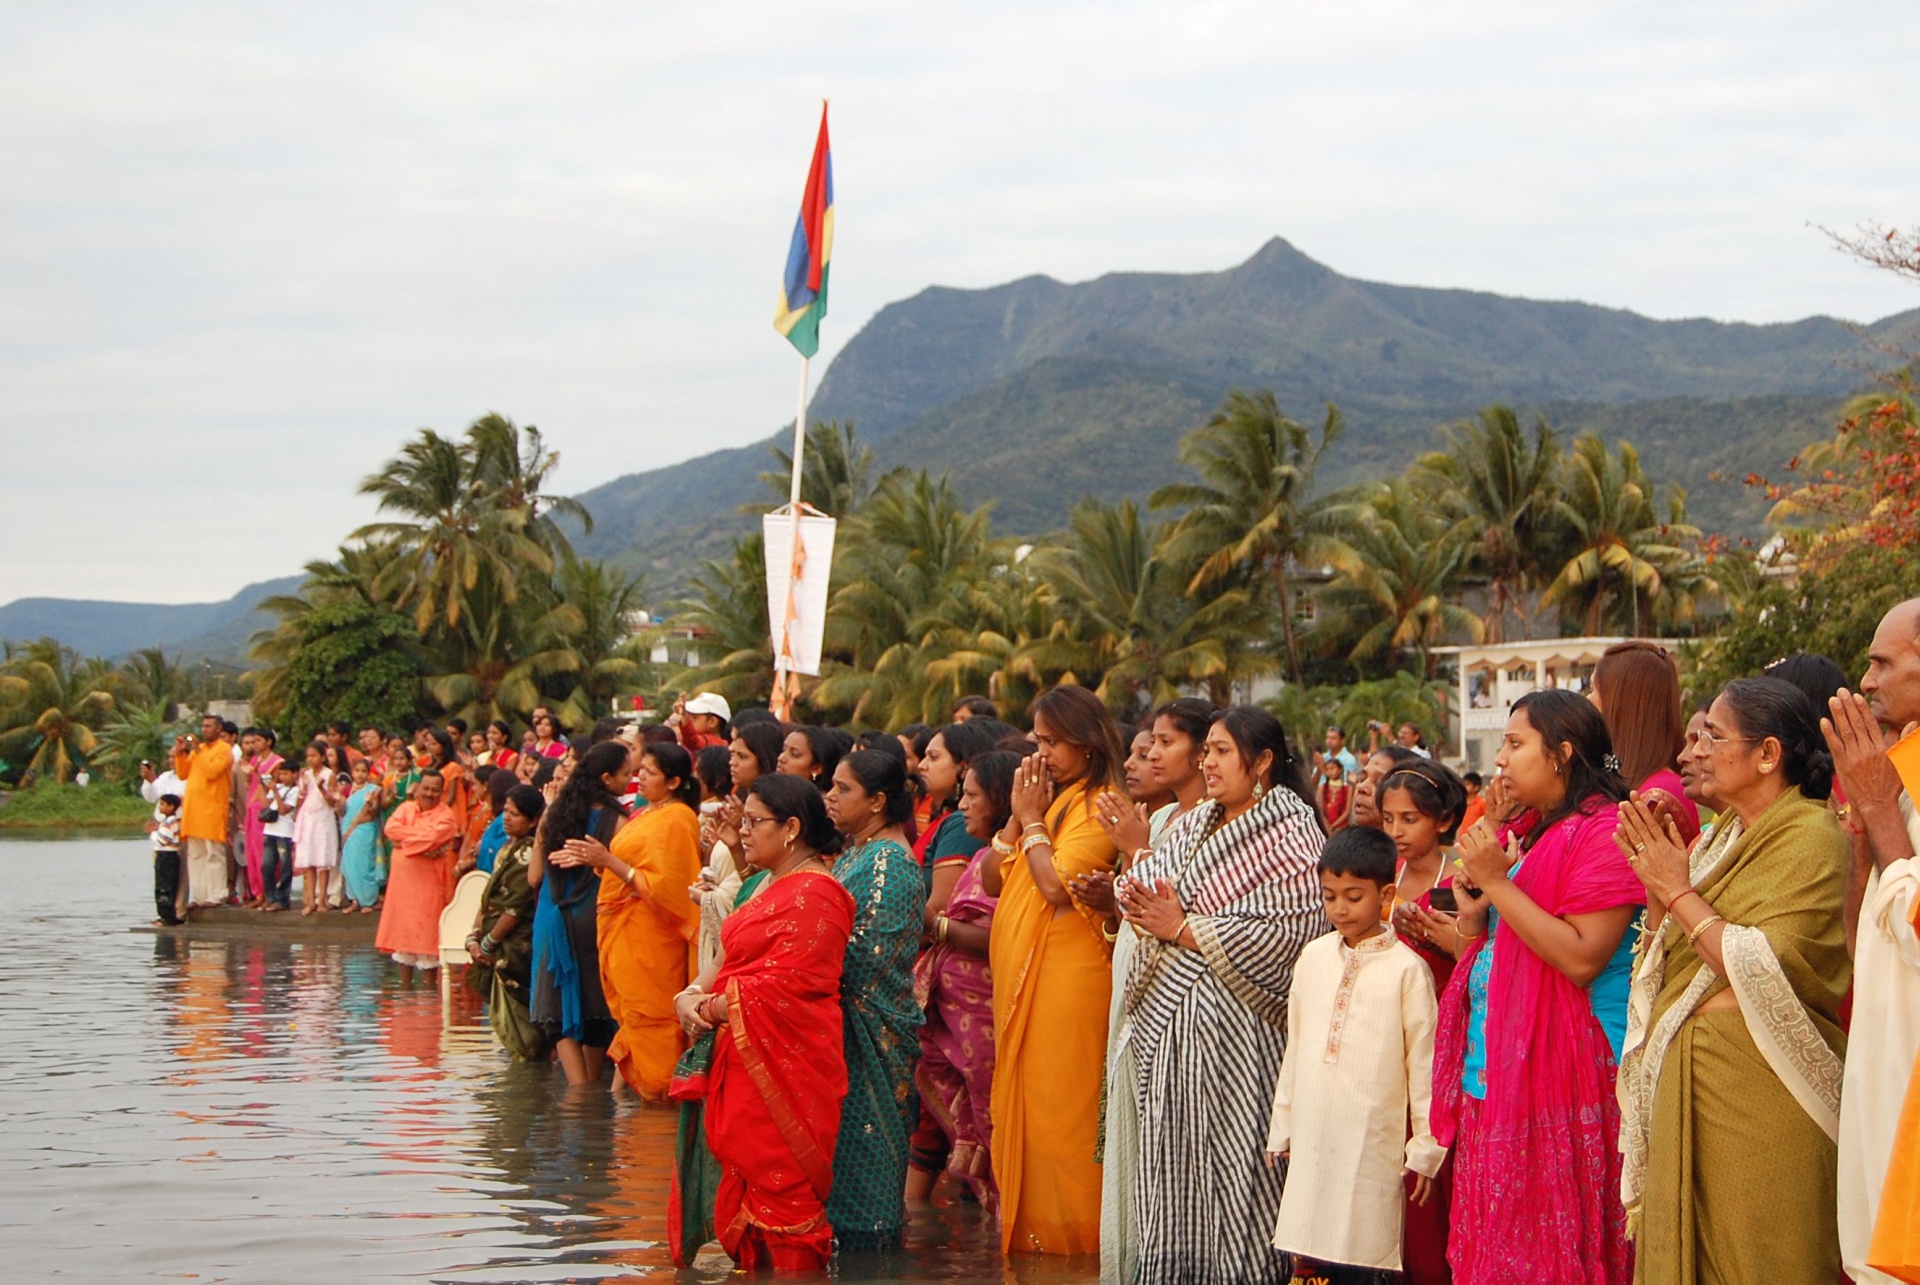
{"x": 1883, "y": 883}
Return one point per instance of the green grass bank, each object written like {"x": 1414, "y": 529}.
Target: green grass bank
{"x": 72, "y": 807}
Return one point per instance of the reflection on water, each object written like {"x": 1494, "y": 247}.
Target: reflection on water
{"x": 225, "y": 1110}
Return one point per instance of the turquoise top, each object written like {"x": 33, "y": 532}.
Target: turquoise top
{"x": 1473, "y": 1071}
{"x": 1609, "y": 991}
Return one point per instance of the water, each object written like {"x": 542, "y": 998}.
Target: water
{"x": 255, "y": 1110}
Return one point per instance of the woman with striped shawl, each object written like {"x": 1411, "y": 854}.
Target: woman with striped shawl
{"x": 1223, "y": 907}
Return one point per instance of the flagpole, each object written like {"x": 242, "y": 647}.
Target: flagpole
{"x": 785, "y": 683}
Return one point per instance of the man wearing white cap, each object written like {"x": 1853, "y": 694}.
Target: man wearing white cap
{"x": 701, "y": 720}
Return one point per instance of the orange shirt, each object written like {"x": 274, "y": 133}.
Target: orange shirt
{"x": 208, "y": 772}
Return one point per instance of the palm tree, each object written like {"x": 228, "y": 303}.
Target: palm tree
{"x": 132, "y": 734}
{"x": 836, "y": 476}
{"x": 51, "y": 703}
{"x": 511, "y": 465}
{"x": 605, "y": 604}
{"x": 156, "y": 680}
{"x": 1253, "y": 507}
{"x": 1623, "y": 550}
{"x": 457, "y": 529}
{"x": 727, "y": 614}
{"x": 1131, "y": 621}
{"x": 1399, "y": 568}
{"x": 1491, "y": 476}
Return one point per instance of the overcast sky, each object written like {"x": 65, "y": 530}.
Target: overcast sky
{"x": 246, "y": 249}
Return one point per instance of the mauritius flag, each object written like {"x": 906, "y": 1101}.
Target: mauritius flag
{"x": 803, "y": 299}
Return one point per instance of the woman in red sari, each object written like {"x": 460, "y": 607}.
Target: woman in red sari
{"x": 778, "y": 1073}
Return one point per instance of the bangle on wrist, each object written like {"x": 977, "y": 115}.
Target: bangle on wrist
{"x": 1032, "y": 841}
{"x": 1693, "y": 935}
{"x": 1033, "y": 825}
{"x": 1002, "y": 847}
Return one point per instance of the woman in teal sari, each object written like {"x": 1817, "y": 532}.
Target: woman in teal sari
{"x": 870, "y": 804}
{"x": 360, "y": 841}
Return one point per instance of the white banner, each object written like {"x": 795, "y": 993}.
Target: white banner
{"x": 809, "y": 623}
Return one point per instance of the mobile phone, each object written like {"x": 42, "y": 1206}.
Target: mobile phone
{"x": 1442, "y": 898}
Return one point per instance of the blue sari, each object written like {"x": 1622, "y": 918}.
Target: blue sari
{"x": 360, "y": 853}
{"x": 882, "y": 1038}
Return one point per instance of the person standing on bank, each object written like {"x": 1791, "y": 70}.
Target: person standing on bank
{"x": 206, "y": 766}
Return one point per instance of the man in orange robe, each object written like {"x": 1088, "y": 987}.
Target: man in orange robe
{"x": 207, "y": 768}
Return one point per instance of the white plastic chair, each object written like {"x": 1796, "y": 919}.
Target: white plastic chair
{"x": 456, "y": 921}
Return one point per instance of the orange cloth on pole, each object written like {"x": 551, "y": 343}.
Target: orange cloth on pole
{"x": 208, "y": 772}
{"x": 1052, "y": 981}
{"x": 648, "y": 944}
{"x": 416, "y": 887}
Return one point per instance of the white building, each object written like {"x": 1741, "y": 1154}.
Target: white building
{"x": 1494, "y": 676}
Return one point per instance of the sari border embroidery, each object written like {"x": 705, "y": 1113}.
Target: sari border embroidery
{"x": 818, "y": 1169}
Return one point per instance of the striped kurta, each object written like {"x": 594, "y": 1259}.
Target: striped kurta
{"x": 1206, "y": 1033}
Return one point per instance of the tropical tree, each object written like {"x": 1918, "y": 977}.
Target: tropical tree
{"x": 1126, "y": 616}
{"x": 345, "y": 659}
{"x": 902, "y": 599}
{"x": 1491, "y": 476}
{"x": 1623, "y": 550}
{"x": 455, "y": 530}
{"x": 604, "y": 606}
{"x": 836, "y": 476}
{"x": 511, "y": 466}
{"x": 727, "y": 614}
{"x": 1254, "y": 507}
{"x": 134, "y": 734}
{"x": 51, "y": 705}
{"x": 1399, "y": 568}
{"x": 152, "y": 678}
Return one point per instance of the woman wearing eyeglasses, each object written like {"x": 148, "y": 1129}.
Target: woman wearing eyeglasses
{"x": 1731, "y": 1080}
{"x": 768, "y": 1015}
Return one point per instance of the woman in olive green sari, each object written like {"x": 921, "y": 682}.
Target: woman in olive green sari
{"x": 502, "y": 946}
{"x": 1730, "y": 1076}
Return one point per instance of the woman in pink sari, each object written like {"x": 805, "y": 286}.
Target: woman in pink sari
{"x": 955, "y": 1075}
{"x": 257, "y": 764}
{"x": 1523, "y": 1068}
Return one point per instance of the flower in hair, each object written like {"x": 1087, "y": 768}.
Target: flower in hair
{"x": 1611, "y": 762}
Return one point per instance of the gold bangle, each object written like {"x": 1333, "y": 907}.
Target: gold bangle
{"x": 1702, "y": 926}
{"x": 1112, "y": 935}
{"x": 1033, "y": 841}
{"x": 1002, "y": 847}
{"x": 940, "y": 929}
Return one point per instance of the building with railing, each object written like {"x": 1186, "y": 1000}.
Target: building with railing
{"x": 1495, "y": 675}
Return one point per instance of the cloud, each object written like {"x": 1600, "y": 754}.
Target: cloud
{"x": 244, "y": 250}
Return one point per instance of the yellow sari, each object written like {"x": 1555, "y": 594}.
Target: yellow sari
{"x": 1052, "y": 978}
{"x": 647, "y": 944}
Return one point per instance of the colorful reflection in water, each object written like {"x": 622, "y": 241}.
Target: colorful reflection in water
{"x": 251, "y": 1110}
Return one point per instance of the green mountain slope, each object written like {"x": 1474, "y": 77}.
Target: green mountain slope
{"x": 1035, "y": 393}
{"x": 190, "y": 631}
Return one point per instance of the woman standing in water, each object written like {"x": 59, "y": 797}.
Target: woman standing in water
{"x": 568, "y": 1001}
{"x": 1052, "y": 978}
{"x": 870, "y": 803}
{"x": 772, "y": 1094}
{"x": 423, "y": 832}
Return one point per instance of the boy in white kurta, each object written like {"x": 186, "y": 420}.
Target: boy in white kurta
{"x": 1359, "y": 1066}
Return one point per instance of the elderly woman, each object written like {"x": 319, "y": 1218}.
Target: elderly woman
{"x": 423, "y": 833}
{"x": 1223, "y": 907}
{"x": 1730, "y": 1084}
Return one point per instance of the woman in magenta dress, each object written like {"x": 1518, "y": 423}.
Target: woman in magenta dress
{"x": 955, "y": 1076}
{"x": 1523, "y": 1067}
{"x": 1420, "y": 808}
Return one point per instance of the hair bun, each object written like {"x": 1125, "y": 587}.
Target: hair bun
{"x": 1819, "y": 773}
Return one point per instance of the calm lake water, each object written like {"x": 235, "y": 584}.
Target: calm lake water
{"x": 221, "y": 1110}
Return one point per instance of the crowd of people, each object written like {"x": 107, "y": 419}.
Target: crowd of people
{"x": 1643, "y": 1004}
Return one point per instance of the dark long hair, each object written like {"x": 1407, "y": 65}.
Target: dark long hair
{"x": 1773, "y": 707}
{"x": 1255, "y": 731}
{"x": 569, "y": 815}
{"x": 1081, "y": 719}
{"x": 1190, "y": 716}
{"x": 964, "y": 743}
{"x": 885, "y": 774}
{"x": 1639, "y": 689}
{"x": 675, "y": 764}
{"x": 993, "y": 773}
{"x": 1815, "y": 675}
{"x": 788, "y": 796}
{"x": 1567, "y": 718}
{"x": 763, "y": 737}
{"x": 715, "y": 770}
{"x": 828, "y": 745}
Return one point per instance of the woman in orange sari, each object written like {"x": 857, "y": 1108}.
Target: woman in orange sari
{"x": 647, "y": 921}
{"x": 1052, "y": 980}
{"x": 423, "y": 832}
{"x": 778, "y": 1072}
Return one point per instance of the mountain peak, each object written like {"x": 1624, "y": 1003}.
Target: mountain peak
{"x": 1279, "y": 263}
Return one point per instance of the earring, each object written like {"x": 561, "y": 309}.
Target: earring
{"x": 1259, "y": 791}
